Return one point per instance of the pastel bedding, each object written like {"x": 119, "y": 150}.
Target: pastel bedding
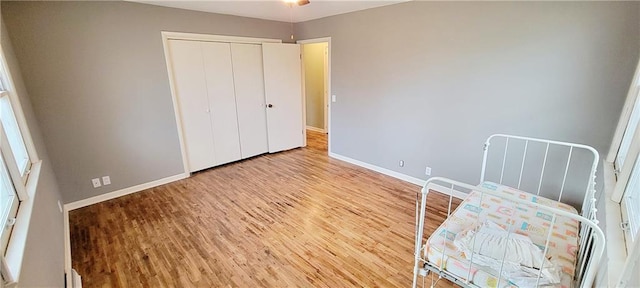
{"x": 526, "y": 224}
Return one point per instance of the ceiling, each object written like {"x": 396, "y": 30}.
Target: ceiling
{"x": 275, "y": 9}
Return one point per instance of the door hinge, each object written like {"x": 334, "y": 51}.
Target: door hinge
{"x": 624, "y": 226}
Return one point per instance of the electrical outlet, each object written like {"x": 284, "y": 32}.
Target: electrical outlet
{"x": 401, "y": 163}
{"x": 96, "y": 182}
{"x": 427, "y": 171}
{"x": 106, "y": 180}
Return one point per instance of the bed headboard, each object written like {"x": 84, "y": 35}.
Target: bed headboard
{"x": 561, "y": 171}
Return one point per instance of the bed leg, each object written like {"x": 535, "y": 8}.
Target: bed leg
{"x": 419, "y": 231}
{"x": 416, "y": 267}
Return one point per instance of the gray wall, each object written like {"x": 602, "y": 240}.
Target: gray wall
{"x": 314, "y": 83}
{"x": 43, "y": 262}
{"x": 99, "y": 86}
{"x": 423, "y": 82}
{"x": 427, "y": 82}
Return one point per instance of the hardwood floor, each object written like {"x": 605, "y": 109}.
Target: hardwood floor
{"x": 291, "y": 219}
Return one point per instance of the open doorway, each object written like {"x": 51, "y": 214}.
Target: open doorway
{"x": 316, "y": 87}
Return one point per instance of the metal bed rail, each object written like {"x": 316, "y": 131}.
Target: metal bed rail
{"x": 595, "y": 237}
{"x": 589, "y": 201}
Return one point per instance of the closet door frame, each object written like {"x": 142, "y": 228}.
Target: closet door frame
{"x": 168, "y": 35}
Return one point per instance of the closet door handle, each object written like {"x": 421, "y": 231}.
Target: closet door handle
{"x": 270, "y": 105}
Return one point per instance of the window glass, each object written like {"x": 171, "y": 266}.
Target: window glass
{"x": 14, "y": 136}
{"x": 628, "y": 135}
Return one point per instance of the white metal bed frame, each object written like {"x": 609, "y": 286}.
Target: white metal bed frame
{"x": 591, "y": 237}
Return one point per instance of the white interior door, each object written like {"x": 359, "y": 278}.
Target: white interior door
{"x": 222, "y": 101}
{"x": 283, "y": 94}
{"x": 249, "y": 85}
{"x": 191, "y": 90}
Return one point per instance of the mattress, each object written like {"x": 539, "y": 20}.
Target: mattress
{"x": 522, "y": 219}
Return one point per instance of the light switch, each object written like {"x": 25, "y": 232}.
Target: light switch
{"x": 333, "y": 98}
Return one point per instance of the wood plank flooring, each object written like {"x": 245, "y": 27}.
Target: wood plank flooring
{"x": 291, "y": 219}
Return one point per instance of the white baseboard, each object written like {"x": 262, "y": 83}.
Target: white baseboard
{"x": 122, "y": 192}
{"x": 316, "y": 129}
{"x": 398, "y": 175}
{"x": 76, "y": 279}
{"x": 97, "y": 199}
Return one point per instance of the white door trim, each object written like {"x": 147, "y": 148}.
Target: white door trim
{"x": 67, "y": 247}
{"x": 303, "y": 75}
{"x": 325, "y": 90}
{"x": 328, "y": 96}
{"x": 166, "y": 36}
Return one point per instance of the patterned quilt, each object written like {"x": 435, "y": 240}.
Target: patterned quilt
{"x": 522, "y": 219}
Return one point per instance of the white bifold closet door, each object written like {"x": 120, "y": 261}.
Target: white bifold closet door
{"x": 283, "y": 92}
{"x": 222, "y": 101}
{"x": 236, "y": 100}
{"x": 249, "y": 84}
{"x": 191, "y": 89}
{"x": 203, "y": 78}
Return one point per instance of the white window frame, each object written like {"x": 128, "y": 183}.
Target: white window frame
{"x": 11, "y": 261}
{"x": 12, "y": 165}
{"x": 623, "y": 173}
{"x": 618, "y": 211}
{"x": 627, "y": 109}
{"x": 17, "y": 179}
{"x": 12, "y": 209}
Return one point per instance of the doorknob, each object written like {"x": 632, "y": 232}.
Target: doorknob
{"x": 270, "y": 105}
